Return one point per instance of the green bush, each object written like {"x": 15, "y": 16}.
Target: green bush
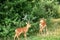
{"x": 15, "y": 13}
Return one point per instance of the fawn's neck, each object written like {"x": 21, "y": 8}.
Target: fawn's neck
{"x": 27, "y": 27}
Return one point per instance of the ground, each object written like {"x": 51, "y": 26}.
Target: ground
{"x": 51, "y": 35}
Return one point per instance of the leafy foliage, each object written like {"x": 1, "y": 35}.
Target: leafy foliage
{"x": 15, "y": 13}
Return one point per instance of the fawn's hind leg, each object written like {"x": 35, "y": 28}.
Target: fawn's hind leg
{"x": 15, "y": 36}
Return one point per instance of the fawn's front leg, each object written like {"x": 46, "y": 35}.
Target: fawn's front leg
{"x": 46, "y": 30}
{"x": 25, "y": 36}
{"x": 41, "y": 29}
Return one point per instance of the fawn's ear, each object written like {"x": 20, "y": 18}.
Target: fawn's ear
{"x": 26, "y": 22}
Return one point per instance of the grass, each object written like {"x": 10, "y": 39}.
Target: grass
{"x": 37, "y": 37}
{"x": 43, "y": 37}
{"x": 54, "y": 34}
{"x": 51, "y": 35}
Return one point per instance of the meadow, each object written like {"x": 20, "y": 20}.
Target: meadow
{"x": 15, "y": 13}
{"x": 52, "y": 34}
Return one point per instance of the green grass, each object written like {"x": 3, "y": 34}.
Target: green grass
{"x": 39, "y": 37}
{"x": 43, "y": 38}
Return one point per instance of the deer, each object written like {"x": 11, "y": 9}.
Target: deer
{"x": 42, "y": 25}
{"x": 23, "y": 30}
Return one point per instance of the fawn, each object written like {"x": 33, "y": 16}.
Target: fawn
{"x": 24, "y": 30}
{"x": 42, "y": 25}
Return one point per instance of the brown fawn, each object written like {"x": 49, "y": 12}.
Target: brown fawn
{"x": 24, "y": 30}
{"x": 42, "y": 25}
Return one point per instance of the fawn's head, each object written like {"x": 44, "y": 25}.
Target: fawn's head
{"x": 28, "y": 24}
{"x": 42, "y": 20}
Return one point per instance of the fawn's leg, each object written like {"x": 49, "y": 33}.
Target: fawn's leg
{"x": 40, "y": 31}
{"x": 25, "y": 36}
{"x": 45, "y": 27}
{"x": 46, "y": 30}
{"x": 15, "y": 36}
{"x": 18, "y": 37}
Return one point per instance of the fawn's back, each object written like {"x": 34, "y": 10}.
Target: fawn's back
{"x": 21, "y": 30}
{"x": 24, "y": 29}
